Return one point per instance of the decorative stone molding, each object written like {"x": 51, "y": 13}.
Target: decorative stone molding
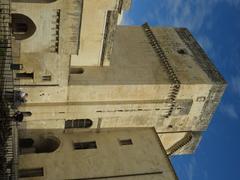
{"x": 175, "y": 87}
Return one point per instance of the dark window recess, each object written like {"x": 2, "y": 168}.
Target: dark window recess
{"x": 120, "y": 4}
{"x": 25, "y": 75}
{"x": 170, "y": 126}
{"x": 47, "y": 78}
{"x": 85, "y": 145}
{"x": 182, "y": 51}
{"x": 76, "y": 70}
{"x": 36, "y": 172}
{"x": 25, "y": 114}
{"x": 78, "y": 123}
{"x": 16, "y": 66}
{"x": 25, "y": 142}
{"x": 20, "y": 28}
{"x": 123, "y": 142}
{"x": 47, "y": 145}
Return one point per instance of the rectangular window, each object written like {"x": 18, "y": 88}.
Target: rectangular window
{"x": 25, "y": 75}
{"x": 20, "y": 28}
{"x": 47, "y": 78}
{"x": 36, "y": 172}
{"x": 85, "y": 145}
{"x": 68, "y": 124}
{"x": 16, "y": 66}
{"x": 123, "y": 142}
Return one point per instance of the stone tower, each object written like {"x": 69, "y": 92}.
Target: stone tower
{"x": 117, "y": 76}
{"x": 86, "y": 76}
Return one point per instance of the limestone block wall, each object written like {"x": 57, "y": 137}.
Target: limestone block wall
{"x": 134, "y": 91}
{"x": 46, "y": 54}
{"x": 138, "y": 89}
{"x": 95, "y": 25}
{"x": 113, "y": 154}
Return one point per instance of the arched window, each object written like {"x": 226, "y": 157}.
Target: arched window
{"x": 78, "y": 123}
{"x": 22, "y": 26}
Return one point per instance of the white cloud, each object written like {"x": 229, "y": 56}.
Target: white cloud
{"x": 126, "y": 20}
{"x": 235, "y": 84}
{"x": 230, "y": 111}
{"x": 187, "y": 13}
{"x": 235, "y": 3}
{"x": 190, "y": 169}
{"x": 205, "y": 42}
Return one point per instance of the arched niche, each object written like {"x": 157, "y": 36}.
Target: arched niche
{"x": 47, "y": 145}
{"x": 22, "y": 26}
{"x": 34, "y": 1}
{"x": 38, "y": 145}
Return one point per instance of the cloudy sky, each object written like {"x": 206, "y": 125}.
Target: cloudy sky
{"x": 216, "y": 25}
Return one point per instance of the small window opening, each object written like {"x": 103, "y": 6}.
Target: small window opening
{"x": 16, "y": 66}
{"x": 123, "y": 142}
{"x": 182, "y": 51}
{"x": 85, "y": 145}
{"x": 25, "y": 75}
{"x": 26, "y": 114}
{"x": 36, "y": 172}
{"x": 170, "y": 126}
{"x": 20, "y": 28}
{"x": 47, "y": 78}
{"x": 76, "y": 70}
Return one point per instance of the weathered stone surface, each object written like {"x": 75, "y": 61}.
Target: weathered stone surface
{"x": 136, "y": 90}
{"x": 144, "y": 158}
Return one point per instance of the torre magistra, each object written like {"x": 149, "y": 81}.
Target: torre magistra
{"x": 104, "y": 101}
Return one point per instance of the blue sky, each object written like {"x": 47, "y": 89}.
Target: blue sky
{"x": 216, "y": 25}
